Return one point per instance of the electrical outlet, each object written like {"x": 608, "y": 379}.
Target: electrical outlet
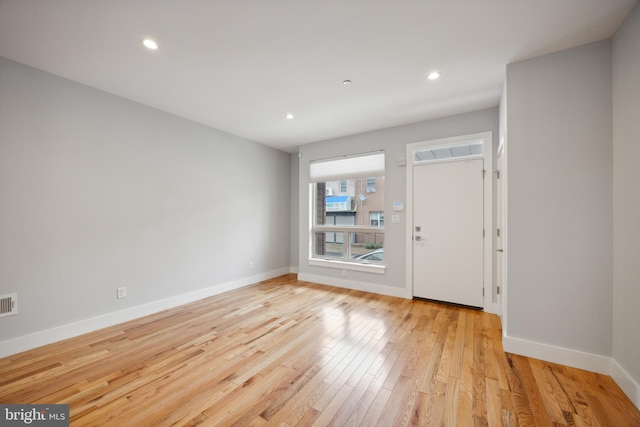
{"x": 122, "y": 292}
{"x": 344, "y": 272}
{"x": 250, "y": 264}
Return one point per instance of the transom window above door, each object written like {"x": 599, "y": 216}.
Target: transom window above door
{"x": 458, "y": 151}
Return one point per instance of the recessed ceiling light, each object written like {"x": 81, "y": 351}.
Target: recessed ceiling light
{"x": 346, "y": 82}
{"x": 434, "y": 75}
{"x": 289, "y": 116}
{"x": 150, "y": 44}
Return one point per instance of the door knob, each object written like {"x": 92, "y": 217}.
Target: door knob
{"x": 418, "y": 238}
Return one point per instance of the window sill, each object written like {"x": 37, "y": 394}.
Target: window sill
{"x": 342, "y": 265}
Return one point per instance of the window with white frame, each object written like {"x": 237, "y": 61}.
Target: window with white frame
{"x": 371, "y": 185}
{"x": 348, "y": 227}
{"x": 376, "y": 219}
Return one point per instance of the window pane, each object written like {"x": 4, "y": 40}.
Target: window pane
{"x": 371, "y": 185}
{"x": 367, "y": 247}
{"x": 347, "y": 203}
{"x": 376, "y": 219}
{"x": 467, "y": 149}
{"x": 329, "y": 245}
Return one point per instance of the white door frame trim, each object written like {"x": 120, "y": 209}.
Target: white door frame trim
{"x": 490, "y": 304}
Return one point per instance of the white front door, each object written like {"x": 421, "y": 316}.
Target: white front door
{"x": 448, "y": 221}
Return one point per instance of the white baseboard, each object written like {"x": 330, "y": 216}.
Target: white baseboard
{"x": 576, "y": 359}
{"x": 355, "y": 285}
{"x": 630, "y": 387}
{"x": 48, "y": 336}
{"x": 564, "y": 356}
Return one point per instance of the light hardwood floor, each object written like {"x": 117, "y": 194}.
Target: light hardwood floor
{"x": 291, "y": 353}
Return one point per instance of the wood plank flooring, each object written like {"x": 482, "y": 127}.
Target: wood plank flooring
{"x": 291, "y": 353}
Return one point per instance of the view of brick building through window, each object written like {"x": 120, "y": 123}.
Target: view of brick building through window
{"x": 352, "y": 202}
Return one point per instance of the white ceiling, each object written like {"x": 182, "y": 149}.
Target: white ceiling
{"x": 241, "y": 65}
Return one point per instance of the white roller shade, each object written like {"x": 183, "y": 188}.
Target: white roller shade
{"x": 366, "y": 165}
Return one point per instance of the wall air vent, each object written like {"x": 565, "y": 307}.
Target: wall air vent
{"x": 8, "y": 304}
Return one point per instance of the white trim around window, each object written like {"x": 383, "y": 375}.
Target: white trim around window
{"x": 347, "y": 263}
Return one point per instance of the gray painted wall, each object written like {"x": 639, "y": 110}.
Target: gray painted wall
{"x": 560, "y": 199}
{"x": 99, "y": 192}
{"x": 504, "y": 173}
{"x": 626, "y": 196}
{"x": 295, "y": 189}
{"x": 393, "y": 141}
